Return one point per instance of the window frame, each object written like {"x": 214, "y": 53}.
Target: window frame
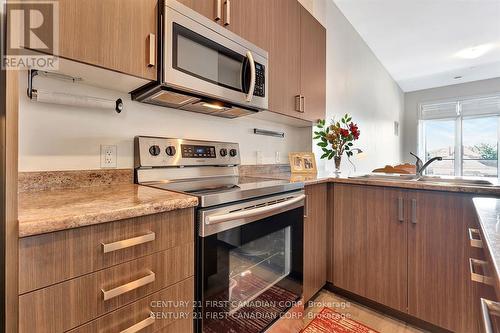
{"x": 458, "y": 154}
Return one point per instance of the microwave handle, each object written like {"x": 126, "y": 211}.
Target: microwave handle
{"x": 252, "y": 76}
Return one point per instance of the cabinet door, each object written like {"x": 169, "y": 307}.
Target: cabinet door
{"x": 312, "y": 67}
{"x": 440, "y": 289}
{"x": 315, "y": 239}
{"x": 212, "y": 9}
{"x": 369, "y": 243}
{"x": 112, "y": 34}
{"x": 250, "y": 19}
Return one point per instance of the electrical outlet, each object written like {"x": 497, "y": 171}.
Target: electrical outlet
{"x": 108, "y": 156}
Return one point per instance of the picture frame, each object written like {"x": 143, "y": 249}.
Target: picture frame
{"x": 302, "y": 162}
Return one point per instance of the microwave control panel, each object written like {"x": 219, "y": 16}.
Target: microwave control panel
{"x": 260, "y": 80}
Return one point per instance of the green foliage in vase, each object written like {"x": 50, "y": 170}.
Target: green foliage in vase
{"x": 336, "y": 137}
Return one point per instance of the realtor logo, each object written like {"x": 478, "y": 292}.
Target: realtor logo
{"x": 32, "y": 35}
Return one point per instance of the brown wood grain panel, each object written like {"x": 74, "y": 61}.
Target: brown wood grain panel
{"x": 330, "y": 234}
{"x": 81, "y": 300}
{"x": 51, "y": 258}
{"x": 252, "y": 20}
{"x": 204, "y": 7}
{"x": 284, "y": 56}
{"x": 439, "y": 287}
{"x": 8, "y": 195}
{"x": 315, "y": 240}
{"x": 312, "y": 66}
{"x": 181, "y": 297}
{"x": 350, "y": 238}
{"x": 386, "y": 263}
{"x": 109, "y": 33}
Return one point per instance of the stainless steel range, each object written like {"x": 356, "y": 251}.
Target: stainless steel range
{"x": 249, "y": 231}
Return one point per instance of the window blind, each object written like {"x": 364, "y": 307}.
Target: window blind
{"x": 483, "y": 106}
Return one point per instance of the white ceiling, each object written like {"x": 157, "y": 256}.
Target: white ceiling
{"x": 417, "y": 40}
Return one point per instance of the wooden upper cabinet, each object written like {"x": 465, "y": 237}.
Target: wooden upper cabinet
{"x": 312, "y": 67}
{"x": 212, "y": 9}
{"x": 113, "y": 34}
{"x": 315, "y": 239}
{"x": 369, "y": 243}
{"x": 249, "y": 19}
{"x": 440, "y": 289}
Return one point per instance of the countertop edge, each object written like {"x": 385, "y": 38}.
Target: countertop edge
{"x": 38, "y": 227}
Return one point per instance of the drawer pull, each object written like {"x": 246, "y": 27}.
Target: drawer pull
{"x": 476, "y": 276}
{"x": 488, "y": 306}
{"x": 475, "y": 238}
{"x": 110, "y": 247}
{"x": 107, "y": 295}
{"x": 140, "y": 325}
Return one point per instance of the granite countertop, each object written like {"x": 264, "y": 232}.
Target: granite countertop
{"x": 324, "y": 177}
{"x": 54, "y": 210}
{"x": 488, "y": 212}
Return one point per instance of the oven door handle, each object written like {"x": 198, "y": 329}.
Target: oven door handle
{"x": 214, "y": 219}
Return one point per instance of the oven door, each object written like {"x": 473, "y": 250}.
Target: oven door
{"x": 203, "y": 58}
{"x": 249, "y": 263}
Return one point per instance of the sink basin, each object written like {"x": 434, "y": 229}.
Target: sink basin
{"x": 455, "y": 181}
{"x": 384, "y": 176}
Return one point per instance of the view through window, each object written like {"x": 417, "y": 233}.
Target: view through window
{"x": 464, "y": 133}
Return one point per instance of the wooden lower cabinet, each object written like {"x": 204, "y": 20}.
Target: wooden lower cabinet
{"x": 315, "y": 239}
{"x": 408, "y": 250}
{"x": 369, "y": 244}
{"x": 440, "y": 290}
{"x": 176, "y": 313}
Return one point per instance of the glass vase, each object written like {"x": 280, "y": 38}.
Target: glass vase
{"x": 337, "y": 160}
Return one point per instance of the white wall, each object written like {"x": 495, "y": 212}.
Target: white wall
{"x": 413, "y": 99}
{"x": 54, "y": 137}
{"x": 358, "y": 84}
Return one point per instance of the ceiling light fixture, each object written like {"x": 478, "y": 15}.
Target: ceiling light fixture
{"x": 475, "y": 52}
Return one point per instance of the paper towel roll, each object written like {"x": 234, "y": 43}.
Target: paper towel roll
{"x": 75, "y": 100}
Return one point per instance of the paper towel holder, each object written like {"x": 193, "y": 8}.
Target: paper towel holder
{"x": 32, "y": 93}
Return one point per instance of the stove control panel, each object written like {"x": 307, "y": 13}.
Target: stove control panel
{"x": 165, "y": 152}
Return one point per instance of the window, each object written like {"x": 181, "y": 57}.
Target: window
{"x": 465, "y": 133}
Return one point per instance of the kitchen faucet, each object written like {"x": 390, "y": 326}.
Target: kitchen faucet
{"x": 420, "y": 166}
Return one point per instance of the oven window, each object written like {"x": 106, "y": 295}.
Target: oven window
{"x": 250, "y": 272}
{"x": 202, "y": 58}
{"x": 256, "y": 266}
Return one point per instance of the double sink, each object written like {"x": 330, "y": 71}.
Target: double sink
{"x": 429, "y": 179}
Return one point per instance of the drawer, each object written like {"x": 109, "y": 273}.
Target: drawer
{"x": 55, "y": 257}
{"x": 175, "y": 318}
{"x": 90, "y": 296}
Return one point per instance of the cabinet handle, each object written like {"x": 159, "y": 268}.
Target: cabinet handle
{"x": 125, "y": 288}
{"x": 115, "y": 246}
{"x": 218, "y": 10}
{"x": 152, "y": 50}
{"x": 140, "y": 325}
{"x": 298, "y": 103}
{"x": 414, "y": 211}
{"x": 227, "y": 16}
{"x": 401, "y": 216}
{"x": 476, "y": 277}
{"x": 475, "y": 241}
{"x": 306, "y": 206}
{"x": 303, "y": 109}
{"x": 488, "y": 306}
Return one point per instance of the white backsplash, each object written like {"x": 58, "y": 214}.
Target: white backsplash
{"x": 57, "y": 137}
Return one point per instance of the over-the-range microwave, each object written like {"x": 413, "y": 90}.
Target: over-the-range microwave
{"x": 204, "y": 67}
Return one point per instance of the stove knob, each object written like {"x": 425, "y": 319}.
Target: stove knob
{"x": 223, "y": 152}
{"x": 154, "y": 150}
{"x": 170, "y": 151}
{"x": 233, "y": 152}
